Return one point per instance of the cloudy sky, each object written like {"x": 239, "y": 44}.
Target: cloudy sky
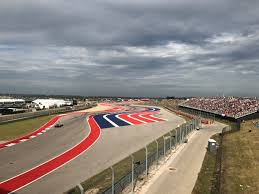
{"x": 130, "y": 48}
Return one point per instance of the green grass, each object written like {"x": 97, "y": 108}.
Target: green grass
{"x": 207, "y": 176}
{"x": 241, "y": 160}
{"x": 240, "y": 163}
{"x": 16, "y": 129}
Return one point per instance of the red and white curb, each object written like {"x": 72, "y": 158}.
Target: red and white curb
{"x": 15, "y": 183}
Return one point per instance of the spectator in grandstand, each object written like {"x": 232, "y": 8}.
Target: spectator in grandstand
{"x": 226, "y": 106}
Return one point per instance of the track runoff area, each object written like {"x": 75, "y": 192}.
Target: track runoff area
{"x": 114, "y": 116}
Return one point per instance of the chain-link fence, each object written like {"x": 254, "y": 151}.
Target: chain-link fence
{"x": 20, "y": 116}
{"x": 153, "y": 153}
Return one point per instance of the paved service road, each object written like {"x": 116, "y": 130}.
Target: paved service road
{"x": 187, "y": 164}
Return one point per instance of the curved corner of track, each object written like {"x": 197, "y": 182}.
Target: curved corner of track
{"x": 116, "y": 116}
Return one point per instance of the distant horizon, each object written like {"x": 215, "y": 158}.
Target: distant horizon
{"x": 104, "y": 96}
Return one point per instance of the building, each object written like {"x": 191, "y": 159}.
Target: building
{"x": 11, "y": 103}
{"x": 50, "y": 103}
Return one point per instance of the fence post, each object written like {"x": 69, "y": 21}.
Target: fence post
{"x": 164, "y": 144}
{"x": 170, "y": 132}
{"x": 177, "y": 135}
{"x": 146, "y": 161}
{"x": 176, "y": 139}
{"x": 80, "y": 188}
{"x": 181, "y": 134}
{"x": 156, "y": 152}
{"x": 184, "y": 131}
{"x": 112, "y": 169}
{"x": 132, "y": 173}
{"x": 165, "y": 138}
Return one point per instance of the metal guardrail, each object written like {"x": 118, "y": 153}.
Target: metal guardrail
{"x": 170, "y": 141}
{"x": 21, "y": 116}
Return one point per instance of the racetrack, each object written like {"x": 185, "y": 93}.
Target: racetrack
{"x": 113, "y": 145}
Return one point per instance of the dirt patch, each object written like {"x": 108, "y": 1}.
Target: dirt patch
{"x": 97, "y": 108}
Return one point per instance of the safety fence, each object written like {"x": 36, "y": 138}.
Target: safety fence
{"x": 206, "y": 117}
{"x": 152, "y": 154}
{"x": 20, "y": 116}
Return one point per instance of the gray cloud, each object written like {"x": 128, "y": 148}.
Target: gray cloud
{"x": 136, "y": 48}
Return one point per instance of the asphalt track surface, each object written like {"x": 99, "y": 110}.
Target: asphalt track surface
{"x": 113, "y": 145}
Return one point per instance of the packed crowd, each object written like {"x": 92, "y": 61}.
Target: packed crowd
{"x": 225, "y": 106}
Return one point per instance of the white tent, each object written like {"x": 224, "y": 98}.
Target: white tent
{"x": 49, "y": 103}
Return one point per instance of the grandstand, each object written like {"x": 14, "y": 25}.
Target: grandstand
{"x": 11, "y": 103}
{"x": 232, "y": 107}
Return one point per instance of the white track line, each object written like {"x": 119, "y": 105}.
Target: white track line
{"x": 142, "y": 116}
{"x": 110, "y": 121}
{"x": 23, "y": 140}
{"x": 136, "y": 118}
{"x": 158, "y": 118}
{"x": 54, "y": 158}
{"x": 118, "y": 116}
{"x": 10, "y": 144}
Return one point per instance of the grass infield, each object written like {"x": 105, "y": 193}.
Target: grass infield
{"x": 12, "y": 130}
